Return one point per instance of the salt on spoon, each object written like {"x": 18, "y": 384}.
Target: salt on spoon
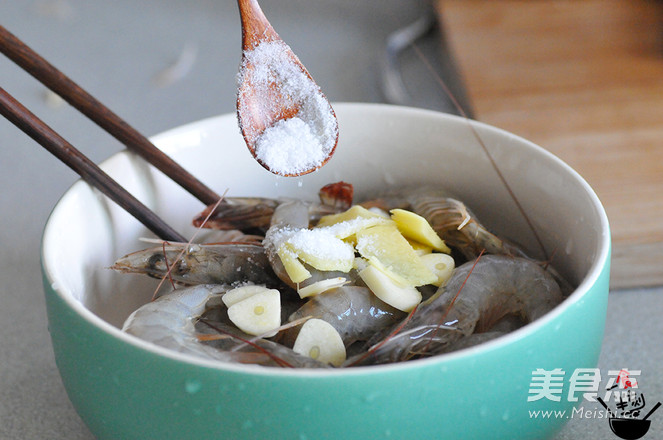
{"x": 287, "y": 123}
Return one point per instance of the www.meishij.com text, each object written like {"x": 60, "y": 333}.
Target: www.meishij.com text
{"x": 575, "y": 413}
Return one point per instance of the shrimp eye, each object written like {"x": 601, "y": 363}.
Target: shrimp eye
{"x": 156, "y": 262}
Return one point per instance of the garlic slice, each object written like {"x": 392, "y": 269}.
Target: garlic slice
{"x": 401, "y": 296}
{"x": 258, "y": 314}
{"x": 319, "y": 340}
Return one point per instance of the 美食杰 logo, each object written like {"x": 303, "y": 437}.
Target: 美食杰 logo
{"x": 623, "y": 401}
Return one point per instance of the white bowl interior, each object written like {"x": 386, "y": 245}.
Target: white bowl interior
{"x": 379, "y": 147}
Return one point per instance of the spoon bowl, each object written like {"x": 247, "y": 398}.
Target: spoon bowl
{"x": 287, "y": 123}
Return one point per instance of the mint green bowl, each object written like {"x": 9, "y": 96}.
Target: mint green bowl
{"x": 124, "y": 388}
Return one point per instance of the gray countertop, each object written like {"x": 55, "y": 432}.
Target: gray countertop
{"x": 117, "y": 51}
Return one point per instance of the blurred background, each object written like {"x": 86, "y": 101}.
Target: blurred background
{"x": 582, "y": 78}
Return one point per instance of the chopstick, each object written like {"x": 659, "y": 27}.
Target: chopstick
{"x": 20, "y": 116}
{"x": 59, "y": 83}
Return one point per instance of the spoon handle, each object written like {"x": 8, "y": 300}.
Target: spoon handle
{"x": 255, "y": 26}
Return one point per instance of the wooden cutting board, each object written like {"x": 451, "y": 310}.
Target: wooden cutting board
{"x": 583, "y": 79}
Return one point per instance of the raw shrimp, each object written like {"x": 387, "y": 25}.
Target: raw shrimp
{"x": 485, "y": 293}
{"x": 450, "y": 218}
{"x": 480, "y": 302}
{"x": 222, "y": 263}
{"x": 247, "y": 213}
{"x": 241, "y": 213}
{"x": 354, "y": 311}
{"x": 275, "y": 354}
{"x": 459, "y": 227}
{"x": 169, "y": 322}
{"x": 225, "y": 236}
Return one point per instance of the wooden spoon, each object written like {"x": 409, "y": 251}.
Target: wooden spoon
{"x": 288, "y": 125}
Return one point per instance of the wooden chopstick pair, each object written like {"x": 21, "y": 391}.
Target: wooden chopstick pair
{"x": 59, "y": 83}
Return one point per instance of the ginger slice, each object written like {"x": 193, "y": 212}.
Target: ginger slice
{"x": 385, "y": 247}
{"x": 417, "y": 228}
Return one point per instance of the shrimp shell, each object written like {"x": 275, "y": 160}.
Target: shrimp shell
{"x": 222, "y": 263}
{"x": 274, "y": 353}
{"x": 238, "y": 213}
{"x": 459, "y": 227}
{"x": 169, "y": 322}
{"x": 354, "y": 311}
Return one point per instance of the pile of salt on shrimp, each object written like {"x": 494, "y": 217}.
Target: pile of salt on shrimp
{"x": 332, "y": 284}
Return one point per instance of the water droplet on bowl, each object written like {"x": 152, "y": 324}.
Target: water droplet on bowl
{"x": 247, "y": 424}
{"x": 192, "y": 386}
{"x": 569, "y": 246}
{"x": 506, "y": 415}
{"x": 483, "y": 411}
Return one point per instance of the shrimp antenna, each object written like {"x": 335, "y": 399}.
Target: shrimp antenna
{"x": 475, "y": 133}
{"x": 452, "y": 302}
{"x": 184, "y": 248}
{"x": 281, "y": 363}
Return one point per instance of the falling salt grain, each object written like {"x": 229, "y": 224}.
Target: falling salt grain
{"x": 296, "y": 145}
{"x": 53, "y": 100}
{"x": 179, "y": 69}
{"x": 58, "y": 9}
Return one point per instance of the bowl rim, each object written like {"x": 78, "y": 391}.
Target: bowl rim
{"x": 599, "y": 262}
